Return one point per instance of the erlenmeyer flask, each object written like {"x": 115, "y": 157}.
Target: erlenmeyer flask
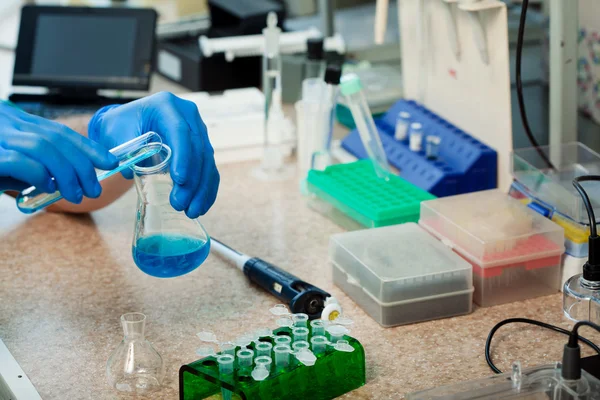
{"x": 166, "y": 243}
{"x": 135, "y": 366}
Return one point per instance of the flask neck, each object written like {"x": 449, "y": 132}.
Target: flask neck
{"x": 134, "y": 325}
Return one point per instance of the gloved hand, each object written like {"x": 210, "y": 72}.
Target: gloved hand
{"x": 34, "y": 149}
{"x": 193, "y": 170}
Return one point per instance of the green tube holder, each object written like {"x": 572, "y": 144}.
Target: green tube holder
{"x": 334, "y": 373}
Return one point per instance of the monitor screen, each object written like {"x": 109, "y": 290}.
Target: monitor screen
{"x": 104, "y": 50}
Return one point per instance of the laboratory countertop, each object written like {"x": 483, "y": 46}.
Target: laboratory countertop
{"x": 65, "y": 281}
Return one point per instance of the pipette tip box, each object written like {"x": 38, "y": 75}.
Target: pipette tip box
{"x": 401, "y": 274}
{"x": 463, "y": 164}
{"x": 554, "y": 185}
{"x": 333, "y": 374}
{"x": 515, "y": 252}
{"x": 353, "y": 196}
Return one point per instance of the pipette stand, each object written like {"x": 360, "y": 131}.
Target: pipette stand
{"x": 334, "y": 373}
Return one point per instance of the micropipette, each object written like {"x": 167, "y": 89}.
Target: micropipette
{"x": 301, "y": 297}
{"x": 129, "y": 153}
{"x": 351, "y": 88}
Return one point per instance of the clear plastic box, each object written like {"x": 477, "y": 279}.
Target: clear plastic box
{"x": 555, "y": 187}
{"x": 400, "y": 274}
{"x": 515, "y": 252}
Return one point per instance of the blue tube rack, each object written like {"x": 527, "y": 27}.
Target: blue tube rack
{"x": 464, "y": 163}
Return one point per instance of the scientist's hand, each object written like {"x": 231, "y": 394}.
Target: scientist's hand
{"x": 34, "y": 149}
{"x": 193, "y": 170}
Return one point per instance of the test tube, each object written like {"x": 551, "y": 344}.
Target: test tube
{"x": 351, "y": 88}
{"x": 245, "y": 358}
{"x": 263, "y": 349}
{"x": 300, "y": 345}
{"x": 225, "y": 362}
{"x": 402, "y": 124}
{"x": 318, "y": 327}
{"x": 227, "y": 348}
{"x": 129, "y": 153}
{"x": 432, "y": 147}
{"x": 300, "y": 334}
{"x": 283, "y": 340}
{"x": 319, "y": 344}
{"x": 336, "y": 332}
{"x": 416, "y": 137}
{"x": 263, "y": 362}
{"x": 300, "y": 320}
{"x": 282, "y": 356}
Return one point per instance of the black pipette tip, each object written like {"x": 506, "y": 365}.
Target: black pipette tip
{"x": 333, "y": 74}
{"x": 314, "y": 48}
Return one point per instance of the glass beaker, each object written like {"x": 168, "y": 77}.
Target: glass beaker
{"x": 166, "y": 243}
{"x": 135, "y": 366}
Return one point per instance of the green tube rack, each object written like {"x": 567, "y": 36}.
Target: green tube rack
{"x": 354, "y": 192}
{"x": 334, "y": 373}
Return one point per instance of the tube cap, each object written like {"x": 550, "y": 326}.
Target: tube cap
{"x": 314, "y": 48}
{"x": 333, "y": 73}
{"x": 350, "y": 84}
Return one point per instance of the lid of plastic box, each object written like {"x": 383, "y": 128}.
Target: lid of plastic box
{"x": 492, "y": 229}
{"x": 399, "y": 263}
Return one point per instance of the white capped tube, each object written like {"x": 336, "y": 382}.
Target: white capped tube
{"x": 416, "y": 137}
{"x": 402, "y": 125}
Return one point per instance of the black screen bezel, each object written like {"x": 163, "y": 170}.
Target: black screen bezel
{"x": 144, "y": 46}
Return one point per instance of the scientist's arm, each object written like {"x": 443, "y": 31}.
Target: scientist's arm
{"x": 33, "y": 150}
{"x": 177, "y": 121}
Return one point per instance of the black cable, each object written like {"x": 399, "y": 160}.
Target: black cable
{"x": 528, "y": 132}
{"x": 586, "y": 199}
{"x": 500, "y": 324}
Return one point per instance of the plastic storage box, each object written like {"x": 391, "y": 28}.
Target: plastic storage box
{"x": 464, "y": 163}
{"x": 400, "y": 274}
{"x": 514, "y": 251}
{"x": 555, "y": 187}
{"x": 576, "y": 235}
{"x": 353, "y": 196}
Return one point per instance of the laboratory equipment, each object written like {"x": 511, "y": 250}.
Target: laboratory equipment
{"x": 416, "y": 137}
{"x": 318, "y": 344}
{"x": 273, "y": 166}
{"x": 135, "y": 366}
{"x": 541, "y": 382}
{"x": 318, "y": 327}
{"x": 166, "y": 243}
{"x": 354, "y": 197}
{"x": 314, "y": 66}
{"x": 351, "y": 89}
{"x": 300, "y": 296}
{"x": 134, "y": 151}
{"x": 402, "y": 125}
{"x": 263, "y": 349}
{"x": 464, "y": 164}
{"x": 432, "y": 147}
{"x": 300, "y": 334}
{"x": 244, "y": 357}
{"x": 333, "y": 74}
{"x": 554, "y": 186}
{"x": 581, "y": 299}
{"x": 400, "y": 274}
{"x": 336, "y": 369}
{"x": 300, "y": 320}
{"x": 514, "y": 251}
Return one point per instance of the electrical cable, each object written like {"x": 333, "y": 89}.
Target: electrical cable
{"x": 500, "y": 324}
{"x": 586, "y": 199}
{"x": 528, "y": 132}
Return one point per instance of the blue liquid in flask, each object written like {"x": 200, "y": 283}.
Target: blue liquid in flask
{"x": 169, "y": 255}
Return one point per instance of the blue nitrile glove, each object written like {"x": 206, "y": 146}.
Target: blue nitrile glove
{"x": 177, "y": 121}
{"x": 34, "y": 149}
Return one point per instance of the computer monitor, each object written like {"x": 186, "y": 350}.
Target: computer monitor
{"x": 85, "y": 48}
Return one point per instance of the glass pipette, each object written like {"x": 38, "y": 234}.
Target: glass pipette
{"x": 351, "y": 88}
{"x": 129, "y": 153}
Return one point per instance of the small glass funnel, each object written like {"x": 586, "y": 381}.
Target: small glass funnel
{"x": 135, "y": 366}
{"x": 166, "y": 243}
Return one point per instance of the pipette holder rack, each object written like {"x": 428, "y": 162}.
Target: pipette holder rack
{"x": 334, "y": 373}
{"x": 353, "y": 196}
{"x": 464, "y": 163}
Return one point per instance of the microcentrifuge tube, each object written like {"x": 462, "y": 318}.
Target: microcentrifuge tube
{"x": 301, "y": 345}
{"x": 402, "y": 124}
{"x": 227, "y": 348}
{"x": 318, "y": 327}
{"x": 279, "y": 310}
{"x": 416, "y": 137}
{"x": 336, "y": 332}
{"x": 205, "y": 351}
{"x": 432, "y": 145}
{"x": 343, "y": 345}
{"x": 319, "y": 344}
{"x": 263, "y": 349}
{"x": 282, "y": 356}
{"x": 263, "y": 368}
{"x": 300, "y": 320}
{"x": 245, "y": 357}
{"x": 225, "y": 362}
{"x": 283, "y": 340}
{"x": 300, "y": 334}
{"x": 263, "y": 332}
